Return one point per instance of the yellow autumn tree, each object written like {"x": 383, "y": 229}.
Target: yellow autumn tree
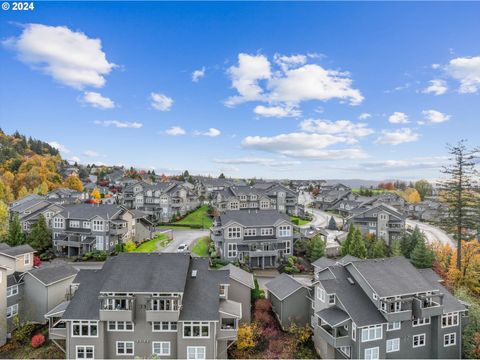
{"x": 3, "y": 221}
{"x": 73, "y": 182}
{"x": 246, "y": 337}
{"x": 414, "y": 197}
{"x": 95, "y": 194}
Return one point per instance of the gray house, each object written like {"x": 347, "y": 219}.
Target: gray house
{"x": 260, "y": 238}
{"x": 30, "y": 208}
{"x": 166, "y": 305}
{"x": 290, "y": 301}
{"x": 241, "y": 285}
{"x": 384, "y": 309}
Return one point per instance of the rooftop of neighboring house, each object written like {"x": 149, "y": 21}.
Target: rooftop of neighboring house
{"x": 89, "y": 211}
{"x": 358, "y": 212}
{"x": 63, "y": 192}
{"x": 151, "y": 273}
{"x": 50, "y": 274}
{"x": 14, "y": 251}
{"x": 253, "y": 217}
{"x": 26, "y": 199}
{"x": 240, "y": 275}
{"x": 283, "y": 286}
{"x": 27, "y": 203}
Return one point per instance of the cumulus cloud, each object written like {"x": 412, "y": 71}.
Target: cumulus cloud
{"x": 404, "y": 165}
{"x": 466, "y": 70}
{"x": 398, "y": 118}
{"x": 436, "y": 87}
{"x": 288, "y": 81}
{"x": 60, "y": 147}
{"x": 212, "y": 132}
{"x": 175, "y": 131}
{"x": 161, "y": 102}
{"x": 97, "y": 100}
{"x": 277, "y": 111}
{"x": 119, "y": 124}
{"x": 268, "y": 162}
{"x": 198, "y": 74}
{"x": 434, "y": 117}
{"x": 341, "y": 127}
{"x": 69, "y": 57}
{"x": 90, "y": 153}
{"x": 396, "y": 137}
{"x": 364, "y": 116}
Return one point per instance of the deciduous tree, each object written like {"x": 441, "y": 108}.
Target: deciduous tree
{"x": 73, "y": 182}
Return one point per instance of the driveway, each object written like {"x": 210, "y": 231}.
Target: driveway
{"x": 184, "y": 237}
{"x": 432, "y": 233}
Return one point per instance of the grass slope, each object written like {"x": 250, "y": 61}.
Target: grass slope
{"x": 151, "y": 245}
{"x": 201, "y": 246}
{"x": 199, "y": 217}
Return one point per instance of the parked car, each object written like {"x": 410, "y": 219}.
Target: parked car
{"x": 182, "y": 248}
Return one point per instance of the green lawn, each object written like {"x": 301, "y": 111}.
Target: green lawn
{"x": 151, "y": 245}
{"x": 201, "y": 246}
{"x": 375, "y": 191}
{"x": 199, "y": 217}
{"x": 294, "y": 219}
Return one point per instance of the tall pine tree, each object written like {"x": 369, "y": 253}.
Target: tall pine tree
{"x": 40, "y": 237}
{"x": 395, "y": 248}
{"x": 422, "y": 256}
{"x": 357, "y": 247}
{"x": 15, "y": 234}
{"x": 345, "y": 246}
{"x": 378, "y": 249}
{"x": 318, "y": 248}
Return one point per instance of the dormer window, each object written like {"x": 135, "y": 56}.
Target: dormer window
{"x": 223, "y": 291}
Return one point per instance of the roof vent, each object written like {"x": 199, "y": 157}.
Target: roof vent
{"x": 194, "y": 273}
{"x": 350, "y": 280}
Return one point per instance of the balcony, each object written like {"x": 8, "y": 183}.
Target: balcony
{"x": 57, "y": 333}
{"x": 77, "y": 244}
{"x": 117, "y": 230}
{"x": 162, "y": 315}
{"x": 426, "y": 309}
{"x": 403, "y": 315}
{"x": 336, "y": 337}
{"x": 228, "y": 329}
{"x": 118, "y": 308}
{"x": 163, "y": 309}
{"x": 262, "y": 253}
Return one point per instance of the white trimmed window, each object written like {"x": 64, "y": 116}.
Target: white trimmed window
{"x": 450, "y": 319}
{"x": 372, "y": 353}
{"x": 164, "y": 326}
{"x": 266, "y": 231}
{"x": 74, "y": 223}
{"x": 99, "y": 242}
{"x": 196, "y": 352}
{"x": 98, "y": 225}
{"x": 420, "y": 321}
{"x": 232, "y": 250}
{"x": 450, "y": 339}
{"x": 234, "y": 205}
{"x": 346, "y": 350}
{"x": 12, "y": 290}
{"x": 12, "y": 310}
{"x": 250, "y": 232}
{"x": 234, "y": 233}
{"x": 27, "y": 258}
{"x": 161, "y": 348}
{"x": 196, "y": 329}
{"x": 284, "y": 231}
{"x": 331, "y": 299}
{"x": 393, "y": 345}
{"x": 58, "y": 222}
{"x": 354, "y": 332}
{"x": 371, "y": 333}
{"x": 418, "y": 340}
{"x": 264, "y": 204}
{"x": 120, "y": 326}
{"x": 125, "y": 347}
{"x": 84, "y": 328}
{"x": 321, "y": 294}
{"x": 84, "y": 352}
{"x": 87, "y": 224}
{"x": 396, "y": 325}
{"x": 288, "y": 247}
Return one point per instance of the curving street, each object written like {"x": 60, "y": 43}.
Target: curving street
{"x": 432, "y": 233}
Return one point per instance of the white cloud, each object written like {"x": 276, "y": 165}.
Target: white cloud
{"x": 60, "y": 147}
{"x": 435, "y": 117}
{"x": 435, "y": 162}
{"x": 364, "y": 116}
{"x": 97, "y": 100}
{"x": 341, "y": 127}
{"x": 175, "y": 131}
{"x": 119, "y": 124}
{"x": 161, "y": 102}
{"x": 90, "y": 153}
{"x": 467, "y": 71}
{"x": 398, "y": 118}
{"x": 436, "y": 87}
{"x": 69, "y": 57}
{"x": 268, "y": 162}
{"x": 291, "y": 82}
{"x": 198, "y": 74}
{"x": 396, "y": 137}
{"x": 212, "y": 132}
{"x": 74, "y": 159}
{"x": 277, "y": 111}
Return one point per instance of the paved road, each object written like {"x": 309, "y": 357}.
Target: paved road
{"x": 432, "y": 233}
{"x": 184, "y": 237}
{"x": 321, "y": 218}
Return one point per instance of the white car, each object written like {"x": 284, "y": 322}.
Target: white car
{"x": 182, "y": 248}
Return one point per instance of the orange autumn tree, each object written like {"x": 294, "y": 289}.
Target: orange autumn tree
{"x": 73, "y": 182}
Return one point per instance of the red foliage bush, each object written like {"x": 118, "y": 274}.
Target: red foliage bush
{"x": 38, "y": 340}
{"x": 36, "y": 261}
{"x": 263, "y": 305}
{"x": 270, "y": 332}
{"x": 301, "y": 267}
{"x": 264, "y": 318}
{"x": 276, "y": 346}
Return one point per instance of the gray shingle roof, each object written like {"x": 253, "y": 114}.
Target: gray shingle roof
{"x": 253, "y": 218}
{"x": 392, "y": 276}
{"x": 60, "y": 308}
{"x": 85, "y": 304}
{"x": 240, "y": 275}
{"x": 17, "y": 250}
{"x": 283, "y": 286}
{"x": 333, "y": 316}
{"x": 323, "y": 262}
{"x": 52, "y": 273}
{"x": 347, "y": 259}
{"x": 88, "y": 211}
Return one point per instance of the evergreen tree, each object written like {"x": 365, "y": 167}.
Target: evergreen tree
{"x": 369, "y": 241}
{"x": 40, "y": 237}
{"x": 15, "y": 234}
{"x": 318, "y": 248}
{"x": 422, "y": 256}
{"x": 345, "y": 246}
{"x": 378, "y": 249}
{"x": 357, "y": 247}
{"x": 396, "y": 248}
{"x": 222, "y": 176}
{"x": 458, "y": 194}
{"x": 406, "y": 244}
{"x": 332, "y": 224}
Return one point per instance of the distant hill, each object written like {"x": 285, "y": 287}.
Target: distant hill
{"x": 355, "y": 183}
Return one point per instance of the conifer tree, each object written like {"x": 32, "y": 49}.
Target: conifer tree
{"x": 15, "y": 234}
{"x": 345, "y": 246}
{"x": 40, "y": 237}
{"x": 395, "y": 248}
{"x": 357, "y": 247}
{"x": 422, "y": 256}
{"x": 318, "y": 248}
{"x": 378, "y": 249}
{"x": 332, "y": 224}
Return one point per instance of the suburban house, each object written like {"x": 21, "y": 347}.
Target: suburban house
{"x": 81, "y": 228}
{"x": 257, "y": 238}
{"x": 290, "y": 301}
{"x": 30, "y": 208}
{"x": 28, "y": 293}
{"x": 167, "y": 305}
{"x": 427, "y": 210}
{"x": 263, "y": 196}
{"x": 241, "y": 285}
{"x": 329, "y": 196}
{"x": 381, "y": 220}
{"x": 384, "y": 309}
{"x": 65, "y": 196}
{"x": 161, "y": 201}
{"x": 209, "y": 187}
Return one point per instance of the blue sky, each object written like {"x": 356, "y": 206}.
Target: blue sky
{"x": 273, "y": 90}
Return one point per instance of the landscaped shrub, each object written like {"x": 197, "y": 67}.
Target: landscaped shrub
{"x": 38, "y": 340}
{"x": 257, "y": 293}
{"x": 276, "y": 346}
{"x": 119, "y": 248}
{"x": 23, "y": 333}
{"x": 36, "y": 261}
{"x": 270, "y": 332}
{"x": 263, "y": 305}
{"x": 264, "y": 318}
{"x": 129, "y": 246}
{"x": 99, "y": 255}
